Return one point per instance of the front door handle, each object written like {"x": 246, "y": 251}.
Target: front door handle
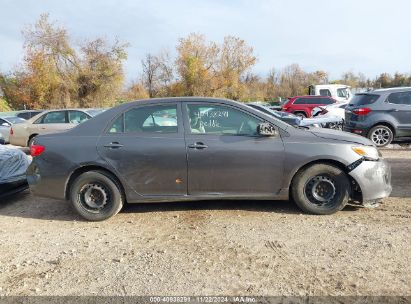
{"x": 113, "y": 145}
{"x": 198, "y": 145}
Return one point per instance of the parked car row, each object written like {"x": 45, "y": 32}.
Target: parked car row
{"x": 331, "y": 122}
{"x": 382, "y": 115}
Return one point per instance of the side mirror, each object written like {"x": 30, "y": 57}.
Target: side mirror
{"x": 5, "y": 124}
{"x": 266, "y": 129}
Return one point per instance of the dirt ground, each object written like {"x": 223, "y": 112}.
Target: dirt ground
{"x": 209, "y": 248}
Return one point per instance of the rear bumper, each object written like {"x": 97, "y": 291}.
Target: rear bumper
{"x": 51, "y": 186}
{"x": 360, "y": 130}
{"x": 374, "y": 179}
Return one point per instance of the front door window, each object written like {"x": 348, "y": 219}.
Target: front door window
{"x": 220, "y": 120}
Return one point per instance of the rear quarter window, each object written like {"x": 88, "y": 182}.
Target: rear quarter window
{"x": 364, "y": 99}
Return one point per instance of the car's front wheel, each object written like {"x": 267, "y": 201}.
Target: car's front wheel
{"x": 96, "y": 196}
{"x": 381, "y": 135}
{"x": 321, "y": 189}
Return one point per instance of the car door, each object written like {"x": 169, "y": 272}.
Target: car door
{"x": 399, "y": 106}
{"x": 226, "y": 156}
{"x": 146, "y": 147}
{"x": 50, "y": 122}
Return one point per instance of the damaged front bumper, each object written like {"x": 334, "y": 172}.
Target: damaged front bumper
{"x": 373, "y": 178}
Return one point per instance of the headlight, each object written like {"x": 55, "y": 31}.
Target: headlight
{"x": 369, "y": 153}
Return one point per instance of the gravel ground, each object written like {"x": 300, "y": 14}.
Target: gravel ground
{"x": 209, "y": 248}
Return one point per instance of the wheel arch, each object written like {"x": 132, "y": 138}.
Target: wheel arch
{"x": 355, "y": 188}
{"x": 86, "y": 168}
{"x": 30, "y": 137}
{"x": 383, "y": 123}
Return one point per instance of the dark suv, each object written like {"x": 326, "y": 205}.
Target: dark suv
{"x": 382, "y": 115}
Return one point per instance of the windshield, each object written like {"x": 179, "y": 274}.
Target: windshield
{"x": 15, "y": 120}
{"x": 363, "y": 99}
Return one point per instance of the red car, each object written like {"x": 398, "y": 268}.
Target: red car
{"x": 303, "y": 105}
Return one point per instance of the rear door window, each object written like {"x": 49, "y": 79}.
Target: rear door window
{"x": 54, "y": 117}
{"x": 363, "y": 99}
{"x": 147, "y": 119}
{"x": 299, "y": 101}
{"x": 403, "y": 98}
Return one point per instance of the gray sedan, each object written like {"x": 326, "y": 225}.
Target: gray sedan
{"x": 190, "y": 148}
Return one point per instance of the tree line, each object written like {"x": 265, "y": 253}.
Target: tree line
{"x": 56, "y": 73}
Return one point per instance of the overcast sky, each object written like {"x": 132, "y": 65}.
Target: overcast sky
{"x": 369, "y": 36}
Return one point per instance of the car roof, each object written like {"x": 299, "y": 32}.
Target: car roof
{"x": 28, "y": 111}
{"x": 94, "y": 126}
{"x": 311, "y": 96}
{"x": 397, "y": 89}
{"x": 11, "y": 117}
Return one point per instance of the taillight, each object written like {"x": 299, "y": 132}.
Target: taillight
{"x": 11, "y": 131}
{"x": 361, "y": 111}
{"x": 36, "y": 150}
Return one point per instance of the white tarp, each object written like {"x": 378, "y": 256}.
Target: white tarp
{"x": 13, "y": 164}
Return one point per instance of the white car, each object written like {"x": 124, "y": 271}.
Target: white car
{"x": 337, "y": 109}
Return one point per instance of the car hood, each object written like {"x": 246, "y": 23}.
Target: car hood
{"x": 341, "y": 136}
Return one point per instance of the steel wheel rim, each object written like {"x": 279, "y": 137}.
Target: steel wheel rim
{"x": 380, "y": 136}
{"x": 94, "y": 196}
{"x": 320, "y": 190}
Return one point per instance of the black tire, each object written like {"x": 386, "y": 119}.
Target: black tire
{"x": 321, "y": 189}
{"x": 96, "y": 196}
{"x": 381, "y": 135}
{"x": 31, "y": 140}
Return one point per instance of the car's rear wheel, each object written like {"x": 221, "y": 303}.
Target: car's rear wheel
{"x": 321, "y": 189}
{"x": 31, "y": 141}
{"x": 381, "y": 135}
{"x": 96, "y": 196}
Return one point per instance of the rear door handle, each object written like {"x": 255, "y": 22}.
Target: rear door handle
{"x": 113, "y": 145}
{"x": 198, "y": 145}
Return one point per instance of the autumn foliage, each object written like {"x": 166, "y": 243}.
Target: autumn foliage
{"x": 56, "y": 73}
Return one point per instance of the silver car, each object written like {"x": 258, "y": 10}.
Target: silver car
{"x": 6, "y": 123}
{"x": 177, "y": 149}
{"x": 49, "y": 122}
